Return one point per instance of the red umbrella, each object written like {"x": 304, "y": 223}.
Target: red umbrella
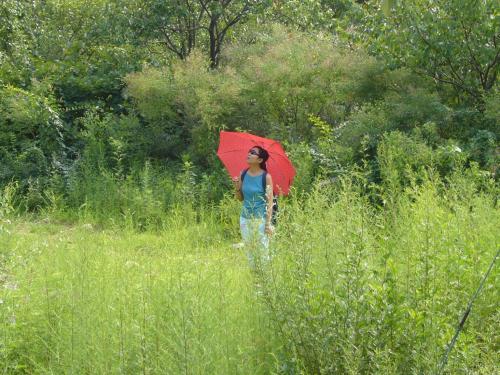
{"x": 233, "y": 150}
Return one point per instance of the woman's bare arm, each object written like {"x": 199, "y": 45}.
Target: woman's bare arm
{"x": 237, "y": 188}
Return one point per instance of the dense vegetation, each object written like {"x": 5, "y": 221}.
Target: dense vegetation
{"x": 350, "y": 288}
{"x": 116, "y": 217}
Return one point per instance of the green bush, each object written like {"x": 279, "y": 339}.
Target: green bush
{"x": 31, "y": 140}
{"x": 483, "y": 148}
{"x": 401, "y": 158}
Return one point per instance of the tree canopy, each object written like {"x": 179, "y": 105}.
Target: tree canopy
{"x": 156, "y": 80}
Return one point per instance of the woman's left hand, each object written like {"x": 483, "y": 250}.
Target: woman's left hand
{"x": 269, "y": 229}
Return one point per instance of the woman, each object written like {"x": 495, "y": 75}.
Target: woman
{"x": 256, "y": 213}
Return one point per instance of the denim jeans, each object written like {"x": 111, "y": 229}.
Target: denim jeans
{"x": 253, "y": 232}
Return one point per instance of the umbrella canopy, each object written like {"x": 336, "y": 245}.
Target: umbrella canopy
{"x": 233, "y": 150}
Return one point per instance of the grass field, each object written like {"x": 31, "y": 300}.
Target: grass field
{"x": 350, "y": 289}
{"x": 79, "y": 300}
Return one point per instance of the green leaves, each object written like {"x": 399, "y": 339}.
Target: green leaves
{"x": 27, "y": 119}
{"x": 31, "y": 138}
{"x": 181, "y": 26}
{"x": 453, "y": 42}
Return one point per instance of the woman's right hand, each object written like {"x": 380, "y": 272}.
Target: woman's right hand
{"x": 237, "y": 186}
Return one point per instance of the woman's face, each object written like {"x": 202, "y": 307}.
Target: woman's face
{"x": 253, "y": 156}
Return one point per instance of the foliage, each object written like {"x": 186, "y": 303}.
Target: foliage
{"x": 454, "y": 42}
{"x": 84, "y": 48}
{"x": 402, "y": 159}
{"x": 14, "y": 42}
{"x": 181, "y": 26}
{"x": 309, "y": 15}
{"x": 271, "y": 89}
{"x": 31, "y": 135}
{"x": 484, "y": 149}
{"x": 270, "y": 80}
{"x": 351, "y": 288}
{"x": 123, "y": 302}
{"x": 109, "y": 119}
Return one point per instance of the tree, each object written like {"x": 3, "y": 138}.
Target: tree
{"x": 183, "y": 25}
{"x": 84, "y": 48}
{"x": 175, "y": 24}
{"x": 15, "y": 42}
{"x": 222, "y": 15}
{"x": 31, "y": 133}
{"x": 455, "y": 42}
{"x": 309, "y": 15}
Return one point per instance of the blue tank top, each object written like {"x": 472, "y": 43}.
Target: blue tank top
{"x": 254, "y": 197}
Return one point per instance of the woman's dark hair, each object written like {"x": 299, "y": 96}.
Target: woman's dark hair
{"x": 264, "y": 155}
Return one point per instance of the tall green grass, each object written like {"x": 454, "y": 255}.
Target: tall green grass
{"x": 356, "y": 289}
{"x": 351, "y": 288}
{"x": 76, "y": 300}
